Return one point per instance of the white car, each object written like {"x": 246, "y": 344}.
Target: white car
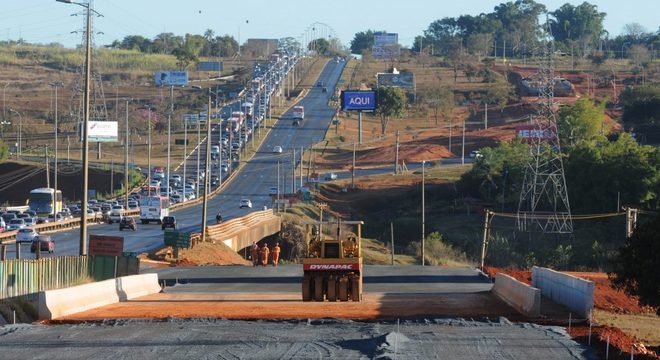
{"x": 475, "y": 154}
{"x": 176, "y": 198}
{"x": 25, "y": 235}
{"x": 15, "y": 224}
{"x": 246, "y": 203}
{"x": 331, "y": 176}
{"x": 277, "y": 149}
{"x": 116, "y": 214}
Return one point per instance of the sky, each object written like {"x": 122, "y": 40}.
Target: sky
{"x": 48, "y": 21}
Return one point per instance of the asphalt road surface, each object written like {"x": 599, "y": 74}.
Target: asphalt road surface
{"x": 253, "y": 181}
{"x": 456, "y": 339}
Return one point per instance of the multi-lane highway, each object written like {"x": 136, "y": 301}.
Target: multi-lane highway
{"x": 253, "y": 182}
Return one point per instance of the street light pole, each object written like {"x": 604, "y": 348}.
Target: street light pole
{"x": 207, "y": 158}
{"x": 55, "y": 85}
{"x": 423, "y": 213}
{"x": 85, "y": 160}
{"x": 149, "y": 148}
{"x": 169, "y": 137}
{"x": 4, "y": 102}
{"x": 126, "y": 137}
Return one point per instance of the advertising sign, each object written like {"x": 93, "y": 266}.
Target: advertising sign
{"x": 102, "y": 131}
{"x": 531, "y": 133}
{"x": 358, "y": 100}
{"x": 216, "y": 66}
{"x": 404, "y": 80}
{"x": 386, "y": 46}
{"x": 106, "y": 245}
{"x": 177, "y": 238}
{"x": 171, "y": 78}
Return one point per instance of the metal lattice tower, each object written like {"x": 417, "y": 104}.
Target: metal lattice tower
{"x": 98, "y": 110}
{"x": 544, "y": 204}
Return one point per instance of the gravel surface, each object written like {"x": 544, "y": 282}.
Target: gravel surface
{"x": 312, "y": 339}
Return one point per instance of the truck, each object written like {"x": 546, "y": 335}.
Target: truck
{"x": 332, "y": 266}
{"x": 154, "y": 208}
{"x": 298, "y": 114}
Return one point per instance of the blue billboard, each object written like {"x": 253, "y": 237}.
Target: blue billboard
{"x": 171, "y": 78}
{"x": 358, "y": 100}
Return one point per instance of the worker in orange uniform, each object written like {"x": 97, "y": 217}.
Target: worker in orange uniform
{"x": 276, "y": 253}
{"x": 264, "y": 255}
{"x": 254, "y": 252}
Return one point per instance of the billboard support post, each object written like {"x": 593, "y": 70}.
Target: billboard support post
{"x": 360, "y": 127}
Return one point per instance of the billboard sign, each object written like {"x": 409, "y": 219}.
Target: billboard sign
{"x": 386, "y": 46}
{"x": 102, "y": 131}
{"x": 209, "y": 66}
{"x": 358, "y": 100}
{"x": 404, "y": 80}
{"x": 106, "y": 245}
{"x": 171, "y": 78}
{"x": 177, "y": 238}
{"x": 531, "y": 133}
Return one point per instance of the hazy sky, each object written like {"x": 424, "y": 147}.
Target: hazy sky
{"x": 46, "y": 21}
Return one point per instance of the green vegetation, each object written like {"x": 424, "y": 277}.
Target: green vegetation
{"x": 641, "y": 111}
{"x": 636, "y": 265}
{"x": 391, "y": 102}
{"x": 4, "y": 151}
{"x": 363, "y": 41}
{"x": 581, "y": 122}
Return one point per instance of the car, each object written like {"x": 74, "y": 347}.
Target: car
{"x": 26, "y": 235}
{"x": 224, "y": 167}
{"x": 31, "y": 221}
{"x": 331, "y": 176}
{"x": 55, "y": 218}
{"x": 7, "y": 217}
{"x": 32, "y": 213}
{"x": 168, "y": 221}
{"x": 475, "y": 154}
{"x": 277, "y": 149}
{"x": 45, "y": 243}
{"x": 176, "y": 198}
{"x": 319, "y": 84}
{"x": 324, "y": 90}
{"x": 3, "y": 226}
{"x": 116, "y": 214}
{"x": 127, "y": 223}
{"x": 245, "y": 203}
{"x": 42, "y": 220}
{"x": 15, "y": 224}
{"x": 133, "y": 205}
{"x": 272, "y": 190}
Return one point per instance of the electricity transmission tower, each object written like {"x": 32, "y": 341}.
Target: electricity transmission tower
{"x": 544, "y": 204}
{"x": 97, "y": 106}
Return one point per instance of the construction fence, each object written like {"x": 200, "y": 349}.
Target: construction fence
{"x": 21, "y": 277}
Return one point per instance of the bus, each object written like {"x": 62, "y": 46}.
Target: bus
{"x": 41, "y": 201}
{"x": 154, "y": 208}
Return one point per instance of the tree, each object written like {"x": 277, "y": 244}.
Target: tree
{"x": 289, "y": 45}
{"x": 500, "y": 93}
{"x": 4, "y": 151}
{"x": 580, "y": 122}
{"x": 362, "y": 41}
{"x": 635, "y": 268}
{"x": 440, "y": 99}
{"x": 480, "y": 44}
{"x": 641, "y": 108}
{"x": 634, "y": 31}
{"x": 577, "y": 22}
{"x": 390, "y": 103}
{"x": 320, "y": 45}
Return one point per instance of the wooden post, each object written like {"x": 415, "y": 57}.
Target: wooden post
{"x": 3, "y": 252}
{"x": 484, "y": 242}
{"x": 392, "y": 240}
{"x": 18, "y": 250}
{"x": 396, "y": 158}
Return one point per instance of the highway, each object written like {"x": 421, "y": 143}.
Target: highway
{"x": 252, "y": 182}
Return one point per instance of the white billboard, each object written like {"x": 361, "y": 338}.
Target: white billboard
{"x": 386, "y": 46}
{"x": 102, "y": 131}
{"x": 171, "y": 78}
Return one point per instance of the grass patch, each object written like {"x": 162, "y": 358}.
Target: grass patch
{"x": 642, "y": 327}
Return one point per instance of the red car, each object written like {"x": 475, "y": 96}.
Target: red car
{"x": 45, "y": 242}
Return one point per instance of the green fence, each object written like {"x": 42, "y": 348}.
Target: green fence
{"x": 22, "y": 276}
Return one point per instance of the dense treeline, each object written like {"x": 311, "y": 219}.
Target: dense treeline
{"x": 513, "y": 29}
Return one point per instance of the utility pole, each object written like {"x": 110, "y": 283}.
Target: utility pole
{"x": 293, "y": 172}
{"x": 48, "y": 176}
{"x": 206, "y": 170}
{"x": 484, "y": 242}
{"x": 301, "y": 166}
{"x": 396, "y": 159}
{"x": 55, "y": 85}
{"x": 631, "y": 221}
{"x": 423, "y": 214}
{"x": 486, "y": 117}
{"x": 169, "y": 141}
{"x": 126, "y": 137}
{"x": 149, "y": 148}
{"x": 112, "y": 176}
{"x": 353, "y": 169}
{"x": 199, "y": 144}
{"x": 392, "y": 240}
{"x": 278, "y": 186}
{"x": 463, "y": 146}
{"x": 185, "y": 156}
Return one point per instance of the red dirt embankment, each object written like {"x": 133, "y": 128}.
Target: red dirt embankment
{"x": 605, "y": 298}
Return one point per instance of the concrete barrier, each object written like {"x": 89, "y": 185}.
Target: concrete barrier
{"x": 573, "y": 292}
{"x": 62, "y": 302}
{"x": 522, "y": 297}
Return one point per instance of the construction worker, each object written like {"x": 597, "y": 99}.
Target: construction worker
{"x": 264, "y": 255}
{"x": 276, "y": 253}
{"x": 254, "y": 252}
